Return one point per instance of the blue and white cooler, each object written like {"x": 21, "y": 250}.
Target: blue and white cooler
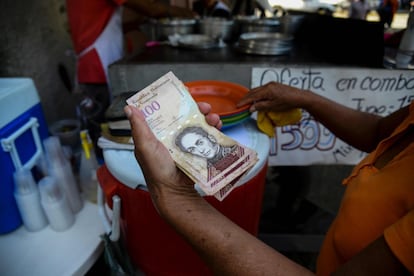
{"x": 22, "y": 129}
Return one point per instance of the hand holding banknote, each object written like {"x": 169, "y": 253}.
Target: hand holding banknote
{"x": 161, "y": 173}
{"x": 152, "y": 155}
{"x": 214, "y": 161}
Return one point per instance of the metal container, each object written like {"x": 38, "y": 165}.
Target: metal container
{"x": 197, "y": 41}
{"x": 218, "y": 28}
{"x": 260, "y": 25}
{"x": 162, "y": 28}
{"x": 290, "y": 23}
{"x": 264, "y": 43}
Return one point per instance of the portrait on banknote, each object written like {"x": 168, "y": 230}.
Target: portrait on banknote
{"x": 197, "y": 141}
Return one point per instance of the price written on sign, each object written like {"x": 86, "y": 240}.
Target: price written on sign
{"x": 377, "y": 91}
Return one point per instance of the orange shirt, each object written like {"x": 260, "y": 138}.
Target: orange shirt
{"x": 375, "y": 203}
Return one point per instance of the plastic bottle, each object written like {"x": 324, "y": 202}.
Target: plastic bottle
{"x": 61, "y": 169}
{"x": 88, "y": 166}
{"x": 27, "y": 198}
{"x": 55, "y": 204}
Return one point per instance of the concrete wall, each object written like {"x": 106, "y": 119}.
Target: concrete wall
{"x": 34, "y": 41}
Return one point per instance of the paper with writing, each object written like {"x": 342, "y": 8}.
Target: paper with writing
{"x": 211, "y": 159}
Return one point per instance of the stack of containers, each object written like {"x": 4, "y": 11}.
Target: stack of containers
{"x": 22, "y": 129}
{"x": 223, "y": 97}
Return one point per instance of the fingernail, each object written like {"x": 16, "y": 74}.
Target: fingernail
{"x": 128, "y": 111}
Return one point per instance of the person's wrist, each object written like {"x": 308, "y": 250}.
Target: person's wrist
{"x": 304, "y": 98}
{"x": 169, "y": 201}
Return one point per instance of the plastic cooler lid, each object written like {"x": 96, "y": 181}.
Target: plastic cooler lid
{"x": 17, "y": 95}
{"x": 124, "y": 167}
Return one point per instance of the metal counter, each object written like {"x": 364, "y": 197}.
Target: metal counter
{"x": 225, "y": 64}
{"x": 321, "y": 41}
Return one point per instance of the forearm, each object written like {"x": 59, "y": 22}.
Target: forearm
{"x": 359, "y": 129}
{"x": 226, "y": 248}
{"x": 376, "y": 259}
{"x": 356, "y": 128}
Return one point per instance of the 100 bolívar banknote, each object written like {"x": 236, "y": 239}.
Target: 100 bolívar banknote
{"x": 211, "y": 159}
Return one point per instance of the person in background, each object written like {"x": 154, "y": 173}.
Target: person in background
{"x": 373, "y": 233}
{"x": 99, "y": 39}
{"x": 248, "y": 8}
{"x": 212, "y": 8}
{"x": 386, "y": 11}
{"x": 358, "y": 9}
{"x": 243, "y": 7}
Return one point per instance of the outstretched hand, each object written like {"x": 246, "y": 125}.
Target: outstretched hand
{"x": 273, "y": 96}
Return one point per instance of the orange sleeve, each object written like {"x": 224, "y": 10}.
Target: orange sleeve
{"x": 400, "y": 238}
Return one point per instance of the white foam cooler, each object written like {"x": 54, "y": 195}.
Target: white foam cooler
{"x": 22, "y": 129}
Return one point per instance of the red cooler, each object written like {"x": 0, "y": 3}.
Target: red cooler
{"x": 154, "y": 247}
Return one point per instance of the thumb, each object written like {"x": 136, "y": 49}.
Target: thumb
{"x": 140, "y": 131}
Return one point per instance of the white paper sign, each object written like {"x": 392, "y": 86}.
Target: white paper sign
{"x": 379, "y": 91}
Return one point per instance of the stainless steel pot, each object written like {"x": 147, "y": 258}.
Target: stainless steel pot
{"x": 162, "y": 28}
{"x": 290, "y": 23}
{"x": 265, "y": 43}
{"x": 260, "y": 25}
{"x": 218, "y": 28}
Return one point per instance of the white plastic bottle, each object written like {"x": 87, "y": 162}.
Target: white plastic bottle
{"x": 61, "y": 169}
{"x": 88, "y": 166}
{"x": 27, "y": 198}
{"x": 55, "y": 204}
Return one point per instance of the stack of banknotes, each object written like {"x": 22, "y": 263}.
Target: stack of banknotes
{"x": 211, "y": 159}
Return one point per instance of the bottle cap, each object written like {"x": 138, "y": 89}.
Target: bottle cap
{"x": 87, "y": 145}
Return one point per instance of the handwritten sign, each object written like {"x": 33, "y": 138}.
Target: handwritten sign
{"x": 378, "y": 91}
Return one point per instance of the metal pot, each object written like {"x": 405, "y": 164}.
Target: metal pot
{"x": 290, "y": 23}
{"x": 162, "y": 28}
{"x": 218, "y": 28}
{"x": 259, "y": 25}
